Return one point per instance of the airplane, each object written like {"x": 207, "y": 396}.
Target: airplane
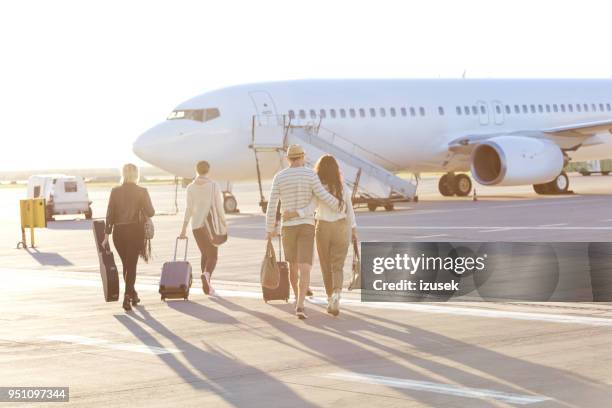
{"x": 506, "y": 132}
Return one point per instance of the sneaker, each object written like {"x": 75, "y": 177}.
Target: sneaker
{"x": 335, "y": 304}
{"x": 329, "y": 305}
{"x": 206, "y": 282}
{"x": 299, "y": 312}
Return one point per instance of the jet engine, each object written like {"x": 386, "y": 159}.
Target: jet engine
{"x": 516, "y": 160}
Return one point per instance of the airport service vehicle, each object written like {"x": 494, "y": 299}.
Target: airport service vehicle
{"x": 506, "y": 132}
{"x": 63, "y": 194}
{"x": 603, "y": 167}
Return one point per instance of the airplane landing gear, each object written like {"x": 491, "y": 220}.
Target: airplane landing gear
{"x": 445, "y": 185}
{"x": 560, "y": 185}
{"x": 451, "y": 184}
{"x": 264, "y": 206}
{"x": 230, "y": 205}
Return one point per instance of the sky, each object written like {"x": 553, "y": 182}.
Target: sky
{"x": 80, "y": 80}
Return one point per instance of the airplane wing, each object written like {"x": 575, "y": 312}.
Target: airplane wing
{"x": 568, "y": 137}
{"x": 581, "y": 129}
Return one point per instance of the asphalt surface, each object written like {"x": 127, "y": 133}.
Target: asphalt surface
{"x": 235, "y": 350}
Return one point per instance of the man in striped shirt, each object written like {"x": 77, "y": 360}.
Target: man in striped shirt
{"x": 294, "y": 187}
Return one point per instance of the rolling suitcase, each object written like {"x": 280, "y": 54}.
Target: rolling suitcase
{"x": 281, "y": 292}
{"x": 176, "y": 277}
{"x": 108, "y": 268}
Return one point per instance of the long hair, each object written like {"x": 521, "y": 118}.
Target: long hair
{"x": 130, "y": 174}
{"x": 329, "y": 173}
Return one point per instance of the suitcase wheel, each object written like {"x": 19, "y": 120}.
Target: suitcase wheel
{"x": 163, "y": 298}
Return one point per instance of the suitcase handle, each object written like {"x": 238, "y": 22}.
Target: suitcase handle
{"x": 176, "y": 246}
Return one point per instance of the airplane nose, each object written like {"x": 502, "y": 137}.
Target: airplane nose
{"x": 177, "y": 145}
{"x": 154, "y": 144}
{"x": 144, "y": 147}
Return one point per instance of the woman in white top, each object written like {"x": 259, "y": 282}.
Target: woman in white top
{"x": 200, "y": 195}
{"x": 335, "y": 227}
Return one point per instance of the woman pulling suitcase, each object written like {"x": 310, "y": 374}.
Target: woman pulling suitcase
{"x": 205, "y": 212}
{"x": 127, "y": 218}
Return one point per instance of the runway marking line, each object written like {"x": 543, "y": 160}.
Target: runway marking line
{"x": 440, "y": 388}
{"x": 475, "y": 312}
{"x": 483, "y": 227}
{"x": 466, "y": 227}
{"x": 430, "y": 236}
{"x": 414, "y": 307}
{"x": 494, "y": 230}
{"x": 89, "y": 341}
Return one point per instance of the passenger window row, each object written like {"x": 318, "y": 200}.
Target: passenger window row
{"x": 343, "y": 113}
{"x": 471, "y": 110}
{"x": 539, "y": 108}
{"x": 481, "y": 109}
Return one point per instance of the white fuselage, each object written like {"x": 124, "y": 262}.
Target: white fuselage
{"x": 408, "y": 122}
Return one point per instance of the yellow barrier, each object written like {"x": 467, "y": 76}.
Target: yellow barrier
{"x": 32, "y": 216}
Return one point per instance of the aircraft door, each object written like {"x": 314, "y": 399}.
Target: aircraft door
{"x": 268, "y": 131}
{"x": 483, "y": 113}
{"x": 498, "y": 112}
{"x": 265, "y": 108}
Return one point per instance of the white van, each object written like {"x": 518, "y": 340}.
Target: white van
{"x": 63, "y": 194}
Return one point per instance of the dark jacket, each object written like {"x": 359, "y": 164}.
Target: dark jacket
{"x": 126, "y": 203}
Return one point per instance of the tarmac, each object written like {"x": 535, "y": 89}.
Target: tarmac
{"x": 236, "y": 350}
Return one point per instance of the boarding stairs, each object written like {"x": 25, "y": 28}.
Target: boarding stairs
{"x": 370, "y": 176}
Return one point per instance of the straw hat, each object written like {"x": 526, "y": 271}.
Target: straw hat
{"x": 295, "y": 151}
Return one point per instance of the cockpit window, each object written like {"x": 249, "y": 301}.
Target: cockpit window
{"x": 201, "y": 115}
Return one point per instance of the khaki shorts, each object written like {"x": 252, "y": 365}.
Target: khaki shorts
{"x": 298, "y": 243}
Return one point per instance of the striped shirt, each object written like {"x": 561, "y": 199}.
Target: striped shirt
{"x": 332, "y": 214}
{"x": 295, "y": 187}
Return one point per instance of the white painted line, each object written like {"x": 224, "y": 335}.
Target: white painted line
{"x": 483, "y": 227}
{"x": 440, "y": 388}
{"x": 554, "y": 225}
{"x": 88, "y": 341}
{"x": 494, "y": 230}
{"x": 414, "y": 307}
{"x": 430, "y": 236}
{"x": 610, "y": 220}
{"x": 466, "y": 227}
{"x": 476, "y": 312}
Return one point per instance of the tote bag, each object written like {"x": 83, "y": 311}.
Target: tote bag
{"x": 217, "y": 231}
{"x": 270, "y": 274}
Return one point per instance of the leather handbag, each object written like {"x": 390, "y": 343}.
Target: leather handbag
{"x": 270, "y": 274}
{"x": 149, "y": 227}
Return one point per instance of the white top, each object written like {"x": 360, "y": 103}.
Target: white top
{"x": 324, "y": 212}
{"x": 199, "y": 201}
{"x": 295, "y": 187}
